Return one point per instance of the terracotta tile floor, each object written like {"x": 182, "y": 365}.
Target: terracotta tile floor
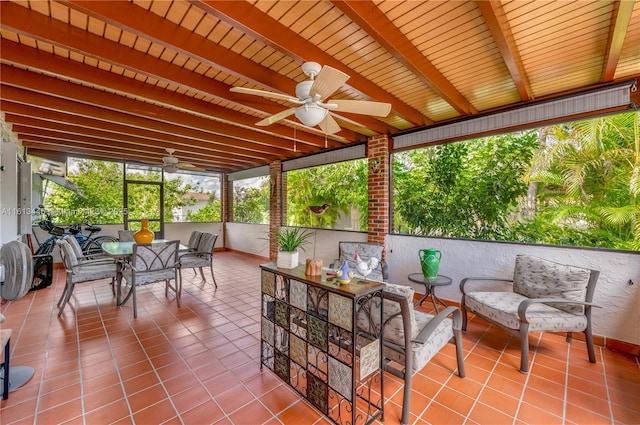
{"x": 198, "y": 364}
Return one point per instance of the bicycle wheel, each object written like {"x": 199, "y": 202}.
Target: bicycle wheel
{"x": 94, "y": 247}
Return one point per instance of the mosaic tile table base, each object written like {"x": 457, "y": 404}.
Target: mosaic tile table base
{"x": 311, "y": 341}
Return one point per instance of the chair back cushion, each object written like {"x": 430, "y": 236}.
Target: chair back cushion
{"x": 194, "y": 240}
{"x": 68, "y": 254}
{"x": 206, "y": 243}
{"x": 126, "y": 235}
{"x": 152, "y": 263}
{"x": 75, "y": 245}
{"x": 394, "y": 327}
{"x": 365, "y": 250}
{"x": 535, "y": 277}
{"x": 155, "y": 256}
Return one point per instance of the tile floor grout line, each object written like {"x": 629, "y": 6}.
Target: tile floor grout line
{"x": 115, "y": 359}
{"x": 606, "y": 387}
{"x": 566, "y": 384}
{"x": 44, "y": 360}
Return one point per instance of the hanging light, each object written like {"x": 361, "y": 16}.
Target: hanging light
{"x": 311, "y": 114}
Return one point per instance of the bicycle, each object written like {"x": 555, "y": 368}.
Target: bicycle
{"x": 90, "y": 245}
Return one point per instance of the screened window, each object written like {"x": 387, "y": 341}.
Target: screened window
{"x": 251, "y": 200}
{"x": 192, "y": 197}
{"x": 333, "y": 196}
{"x": 573, "y": 184}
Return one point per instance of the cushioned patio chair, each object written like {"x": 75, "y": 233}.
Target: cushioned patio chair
{"x": 81, "y": 272}
{"x": 545, "y": 296}
{"x": 151, "y": 263}
{"x": 366, "y": 250}
{"x": 424, "y": 334}
{"x": 194, "y": 240}
{"x": 201, "y": 257}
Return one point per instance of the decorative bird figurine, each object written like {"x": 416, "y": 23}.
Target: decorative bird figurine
{"x": 344, "y": 275}
{"x": 365, "y": 267}
{"x": 318, "y": 209}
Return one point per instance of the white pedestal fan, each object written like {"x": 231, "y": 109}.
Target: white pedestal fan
{"x": 15, "y": 281}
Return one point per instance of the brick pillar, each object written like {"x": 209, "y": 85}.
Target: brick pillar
{"x": 379, "y": 171}
{"x": 226, "y": 203}
{"x": 275, "y": 204}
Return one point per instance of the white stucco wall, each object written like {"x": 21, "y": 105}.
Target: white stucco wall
{"x": 618, "y": 318}
{"x": 248, "y": 238}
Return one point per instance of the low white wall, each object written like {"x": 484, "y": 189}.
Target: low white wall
{"x": 249, "y": 238}
{"x": 618, "y": 318}
{"x": 180, "y": 231}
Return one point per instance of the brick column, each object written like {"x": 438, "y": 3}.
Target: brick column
{"x": 275, "y": 204}
{"x": 226, "y": 205}
{"x": 379, "y": 171}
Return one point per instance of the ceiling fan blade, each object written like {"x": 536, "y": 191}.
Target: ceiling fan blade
{"x": 277, "y": 117}
{"x": 366, "y": 107}
{"x": 329, "y": 125}
{"x": 327, "y": 82}
{"x": 268, "y": 94}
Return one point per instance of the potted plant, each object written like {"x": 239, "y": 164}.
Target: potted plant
{"x": 289, "y": 239}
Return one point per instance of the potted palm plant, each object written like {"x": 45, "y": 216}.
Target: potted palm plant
{"x": 289, "y": 239}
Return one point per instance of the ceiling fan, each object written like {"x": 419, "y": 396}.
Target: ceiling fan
{"x": 311, "y": 109}
{"x": 171, "y": 164}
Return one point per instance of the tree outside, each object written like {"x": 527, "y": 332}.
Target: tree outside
{"x": 101, "y": 182}
{"x": 574, "y": 184}
{"x": 342, "y": 186}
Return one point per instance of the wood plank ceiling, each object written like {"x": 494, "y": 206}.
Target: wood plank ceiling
{"x": 127, "y": 79}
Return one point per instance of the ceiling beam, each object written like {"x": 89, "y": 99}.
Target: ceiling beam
{"x": 620, "y": 19}
{"x": 102, "y": 136}
{"x": 371, "y": 19}
{"x": 32, "y": 24}
{"x": 90, "y": 151}
{"x": 91, "y": 97}
{"x": 182, "y": 141}
{"x": 147, "y": 25}
{"x": 15, "y": 54}
{"x": 495, "y": 18}
{"x": 245, "y": 16}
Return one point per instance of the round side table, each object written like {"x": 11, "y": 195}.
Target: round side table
{"x": 430, "y": 285}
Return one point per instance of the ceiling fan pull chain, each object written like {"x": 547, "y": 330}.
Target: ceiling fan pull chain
{"x": 294, "y": 139}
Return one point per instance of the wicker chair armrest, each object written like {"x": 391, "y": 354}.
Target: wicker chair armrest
{"x": 466, "y": 280}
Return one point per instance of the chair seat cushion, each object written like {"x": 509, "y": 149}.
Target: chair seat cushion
{"x": 193, "y": 260}
{"x": 149, "y": 277}
{"x": 423, "y": 353}
{"x": 502, "y": 308}
{"x": 86, "y": 272}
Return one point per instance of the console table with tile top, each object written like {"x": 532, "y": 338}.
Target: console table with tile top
{"x": 310, "y": 339}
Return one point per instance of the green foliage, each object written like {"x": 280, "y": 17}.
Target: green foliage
{"x": 574, "y": 184}
{"x": 251, "y": 204}
{"x": 289, "y": 239}
{"x": 208, "y": 213}
{"x": 342, "y": 185}
{"x": 588, "y": 175}
{"x": 102, "y": 184}
{"x": 466, "y": 190}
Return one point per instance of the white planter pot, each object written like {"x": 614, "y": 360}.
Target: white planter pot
{"x": 287, "y": 260}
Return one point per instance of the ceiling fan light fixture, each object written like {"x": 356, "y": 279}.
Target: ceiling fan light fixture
{"x": 311, "y": 114}
{"x": 170, "y": 168}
